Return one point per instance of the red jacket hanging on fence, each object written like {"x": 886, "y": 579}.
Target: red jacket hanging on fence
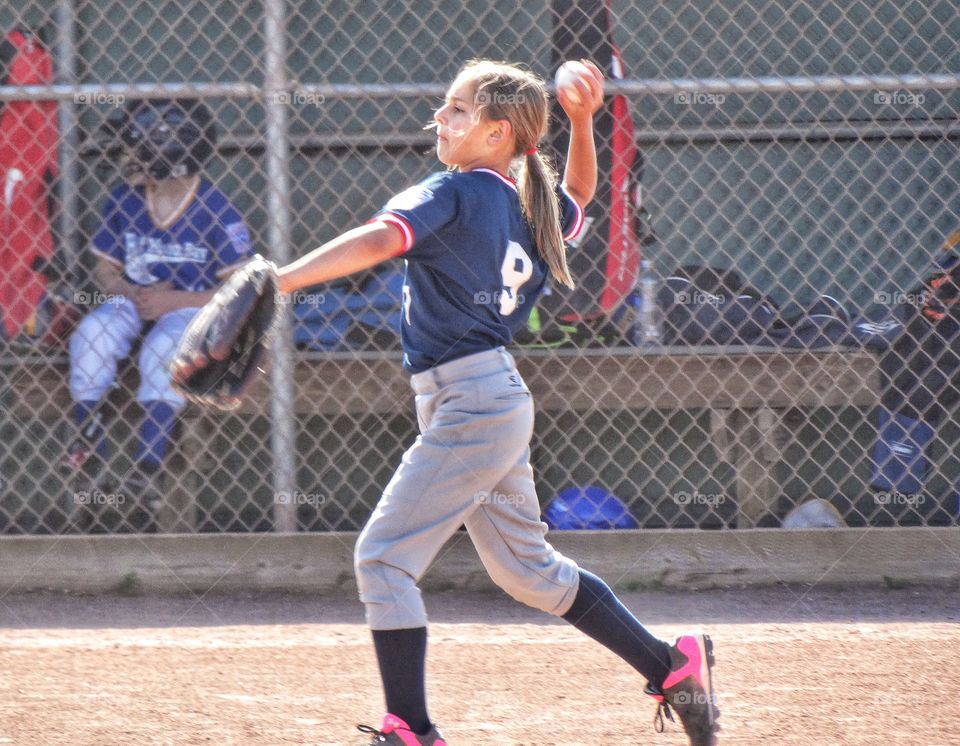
{"x": 28, "y": 154}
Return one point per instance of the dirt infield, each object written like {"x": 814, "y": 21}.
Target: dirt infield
{"x": 840, "y": 666}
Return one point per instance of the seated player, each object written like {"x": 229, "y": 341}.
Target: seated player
{"x": 167, "y": 239}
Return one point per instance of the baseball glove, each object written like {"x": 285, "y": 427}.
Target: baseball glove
{"x": 221, "y": 349}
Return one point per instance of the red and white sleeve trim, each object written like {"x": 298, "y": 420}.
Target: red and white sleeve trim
{"x": 405, "y": 228}
{"x": 578, "y": 219}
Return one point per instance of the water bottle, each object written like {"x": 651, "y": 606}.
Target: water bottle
{"x": 648, "y": 330}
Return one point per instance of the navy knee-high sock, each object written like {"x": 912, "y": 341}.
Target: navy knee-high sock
{"x": 402, "y": 655}
{"x": 598, "y": 613}
{"x": 155, "y": 431}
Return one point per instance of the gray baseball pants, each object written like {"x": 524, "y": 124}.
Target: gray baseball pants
{"x": 469, "y": 466}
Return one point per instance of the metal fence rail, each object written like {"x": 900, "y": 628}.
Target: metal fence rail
{"x": 805, "y": 151}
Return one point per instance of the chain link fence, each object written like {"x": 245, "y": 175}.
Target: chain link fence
{"x": 794, "y": 184}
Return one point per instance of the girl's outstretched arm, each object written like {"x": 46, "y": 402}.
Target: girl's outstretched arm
{"x": 356, "y": 250}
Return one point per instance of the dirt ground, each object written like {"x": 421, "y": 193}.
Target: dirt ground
{"x": 821, "y": 667}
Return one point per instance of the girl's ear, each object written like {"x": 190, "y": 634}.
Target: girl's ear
{"x": 500, "y": 131}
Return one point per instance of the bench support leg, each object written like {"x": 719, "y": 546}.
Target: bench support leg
{"x": 178, "y": 514}
{"x": 748, "y": 440}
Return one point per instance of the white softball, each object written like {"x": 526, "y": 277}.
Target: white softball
{"x": 567, "y": 75}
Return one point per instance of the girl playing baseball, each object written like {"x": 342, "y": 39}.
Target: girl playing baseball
{"x": 478, "y": 247}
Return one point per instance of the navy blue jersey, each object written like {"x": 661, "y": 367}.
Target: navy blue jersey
{"x": 194, "y": 253}
{"x": 472, "y": 274}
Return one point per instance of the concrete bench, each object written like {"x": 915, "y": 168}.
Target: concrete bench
{"x": 742, "y": 387}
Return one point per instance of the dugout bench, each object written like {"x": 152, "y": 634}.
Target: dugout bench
{"x": 742, "y": 387}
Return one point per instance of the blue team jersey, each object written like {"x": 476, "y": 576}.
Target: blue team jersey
{"x": 194, "y": 253}
{"x": 472, "y": 273}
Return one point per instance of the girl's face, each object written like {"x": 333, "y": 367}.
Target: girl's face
{"x": 465, "y": 140}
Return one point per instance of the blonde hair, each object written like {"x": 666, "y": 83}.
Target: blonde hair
{"x": 504, "y": 91}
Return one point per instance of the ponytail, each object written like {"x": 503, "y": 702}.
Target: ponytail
{"x": 538, "y": 200}
{"x": 504, "y": 91}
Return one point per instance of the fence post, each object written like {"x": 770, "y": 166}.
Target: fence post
{"x": 283, "y": 425}
{"x": 69, "y": 151}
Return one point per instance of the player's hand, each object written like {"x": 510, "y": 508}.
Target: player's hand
{"x": 154, "y": 301}
{"x": 591, "y": 95}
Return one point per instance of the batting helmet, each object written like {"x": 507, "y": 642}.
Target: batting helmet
{"x": 167, "y": 138}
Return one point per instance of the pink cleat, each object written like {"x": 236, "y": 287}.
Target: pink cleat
{"x": 395, "y": 731}
{"x": 688, "y": 689}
